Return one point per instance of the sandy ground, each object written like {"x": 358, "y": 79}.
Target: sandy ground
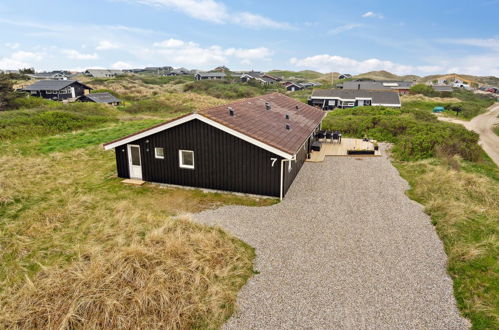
{"x": 345, "y": 249}
{"x": 484, "y": 126}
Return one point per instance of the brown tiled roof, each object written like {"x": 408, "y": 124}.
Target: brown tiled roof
{"x": 251, "y": 118}
{"x": 269, "y": 126}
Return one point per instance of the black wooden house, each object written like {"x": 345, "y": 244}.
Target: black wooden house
{"x": 57, "y": 90}
{"x": 254, "y": 146}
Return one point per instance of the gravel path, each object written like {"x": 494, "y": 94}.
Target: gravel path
{"x": 345, "y": 249}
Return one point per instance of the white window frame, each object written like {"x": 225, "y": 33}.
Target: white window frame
{"x": 181, "y": 159}
{"x": 156, "y": 153}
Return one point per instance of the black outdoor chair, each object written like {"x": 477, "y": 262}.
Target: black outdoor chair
{"x": 320, "y": 135}
{"x": 316, "y": 146}
{"x": 337, "y": 136}
{"x": 329, "y": 135}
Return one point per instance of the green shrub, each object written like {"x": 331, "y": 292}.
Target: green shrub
{"x": 32, "y": 123}
{"x": 417, "y": 134}
{"x": 160, "y": 80}
{"x": 29, "y": 102}
{"x": 228, "y": 90}
{"x": 154, "y": 105}
{"x": 422, "y": 89}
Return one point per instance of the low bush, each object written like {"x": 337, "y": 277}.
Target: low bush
{"x": 29, "y": 102}
{"x": 160, "y": 80}
{"x": 228, "y": 90}
{"x": 40, "y": 122}
{"x": 417, "y": 134}
{"x": 155, "y": 105}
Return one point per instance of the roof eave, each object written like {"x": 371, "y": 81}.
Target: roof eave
{"x": 209, "y": 121}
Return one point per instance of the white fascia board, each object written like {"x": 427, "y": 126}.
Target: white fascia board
{"x": 207, "y": 121}
{"x": 150, "y": 132}
{"x": 386, "y": 105}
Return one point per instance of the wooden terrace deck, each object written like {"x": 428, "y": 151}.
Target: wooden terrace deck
{"x": 341, "y": 149}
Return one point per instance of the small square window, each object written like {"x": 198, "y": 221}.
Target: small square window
{"x": 186, "y": 159}
{"x": 159, "y": 153}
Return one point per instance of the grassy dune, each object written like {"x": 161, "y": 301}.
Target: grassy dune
{"x": 463, "y": 205}
{"x": 80, "y": 249}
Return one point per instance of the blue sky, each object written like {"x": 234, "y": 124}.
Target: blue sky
{"x": 405, "y": 37}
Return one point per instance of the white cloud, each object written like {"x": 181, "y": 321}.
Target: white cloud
{"x": 257, "y": 21}
{"x": 344, "y": 28}
{"x": 217, "y": 12}
{"x": 480, "y": 65}
{"x": 75, "y": 55}
{"x": 106, "y": 45}
{"x": 174, "y": 43}
{"x": 191, "y": 53}
{"x": 372, "y": 14}
{"x": 328, "y": 63}
{"x": 492, "y": 43}
{"x": 20, "y": 59}
{"x": 14, "y": 45}
{"x": 120, "y": 65}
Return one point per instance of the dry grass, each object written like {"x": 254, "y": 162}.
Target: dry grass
{"x": 77, "y": 247}
{"x": 179, "y": 276}
{"x": 419, "y": 97}
{"x": 191, "y": 100}
{"x": 464, "y": 208}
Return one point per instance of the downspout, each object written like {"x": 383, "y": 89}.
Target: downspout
{"x": 282, "y": 177}
{"x": 281, "y": 191}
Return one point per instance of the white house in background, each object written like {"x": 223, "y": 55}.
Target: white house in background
{"x": 102, "y": 73}
{"x": 209, "y": 76}
{"x": 329, "y": 99}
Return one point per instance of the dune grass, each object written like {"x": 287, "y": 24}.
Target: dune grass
{"x": 463, "y": 208}
{"x": 79, "y": 248}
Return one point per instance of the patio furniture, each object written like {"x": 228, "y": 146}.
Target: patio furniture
{"x": 316, "y": 146}
{"x": 321, "y": 135}
{"x": 336, "y": 136}
{"x": 360, "y": 152}
{"x": 329, "y": 135}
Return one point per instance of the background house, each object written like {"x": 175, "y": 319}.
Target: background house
{"x": 329, "y": 99}
{"x": 57, "y": 89}
{"x": 102, "y": 73}
{"x": 402, "y": 87}
{"x": 254, "y": 146}
{"x": 104, "y": 98}
{"x": 209, "y": 76}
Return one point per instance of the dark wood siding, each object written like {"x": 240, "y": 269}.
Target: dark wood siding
{"x": 222, "y": 161}
{"x": 301, "y": 157}
{"x": 79, "y": 91}
{"x": 122, "y": 161}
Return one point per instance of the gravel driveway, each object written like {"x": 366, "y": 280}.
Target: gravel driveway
{"x": 345, "y": 249}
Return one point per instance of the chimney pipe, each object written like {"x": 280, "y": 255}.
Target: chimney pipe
{"x": 358, "y": 88}
{"x": 231, "y": 111}
{"x": 268, "y": 106}
{"x": 288, "y": 127}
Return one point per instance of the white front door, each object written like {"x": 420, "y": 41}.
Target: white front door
{"x": 134, "y": 162}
